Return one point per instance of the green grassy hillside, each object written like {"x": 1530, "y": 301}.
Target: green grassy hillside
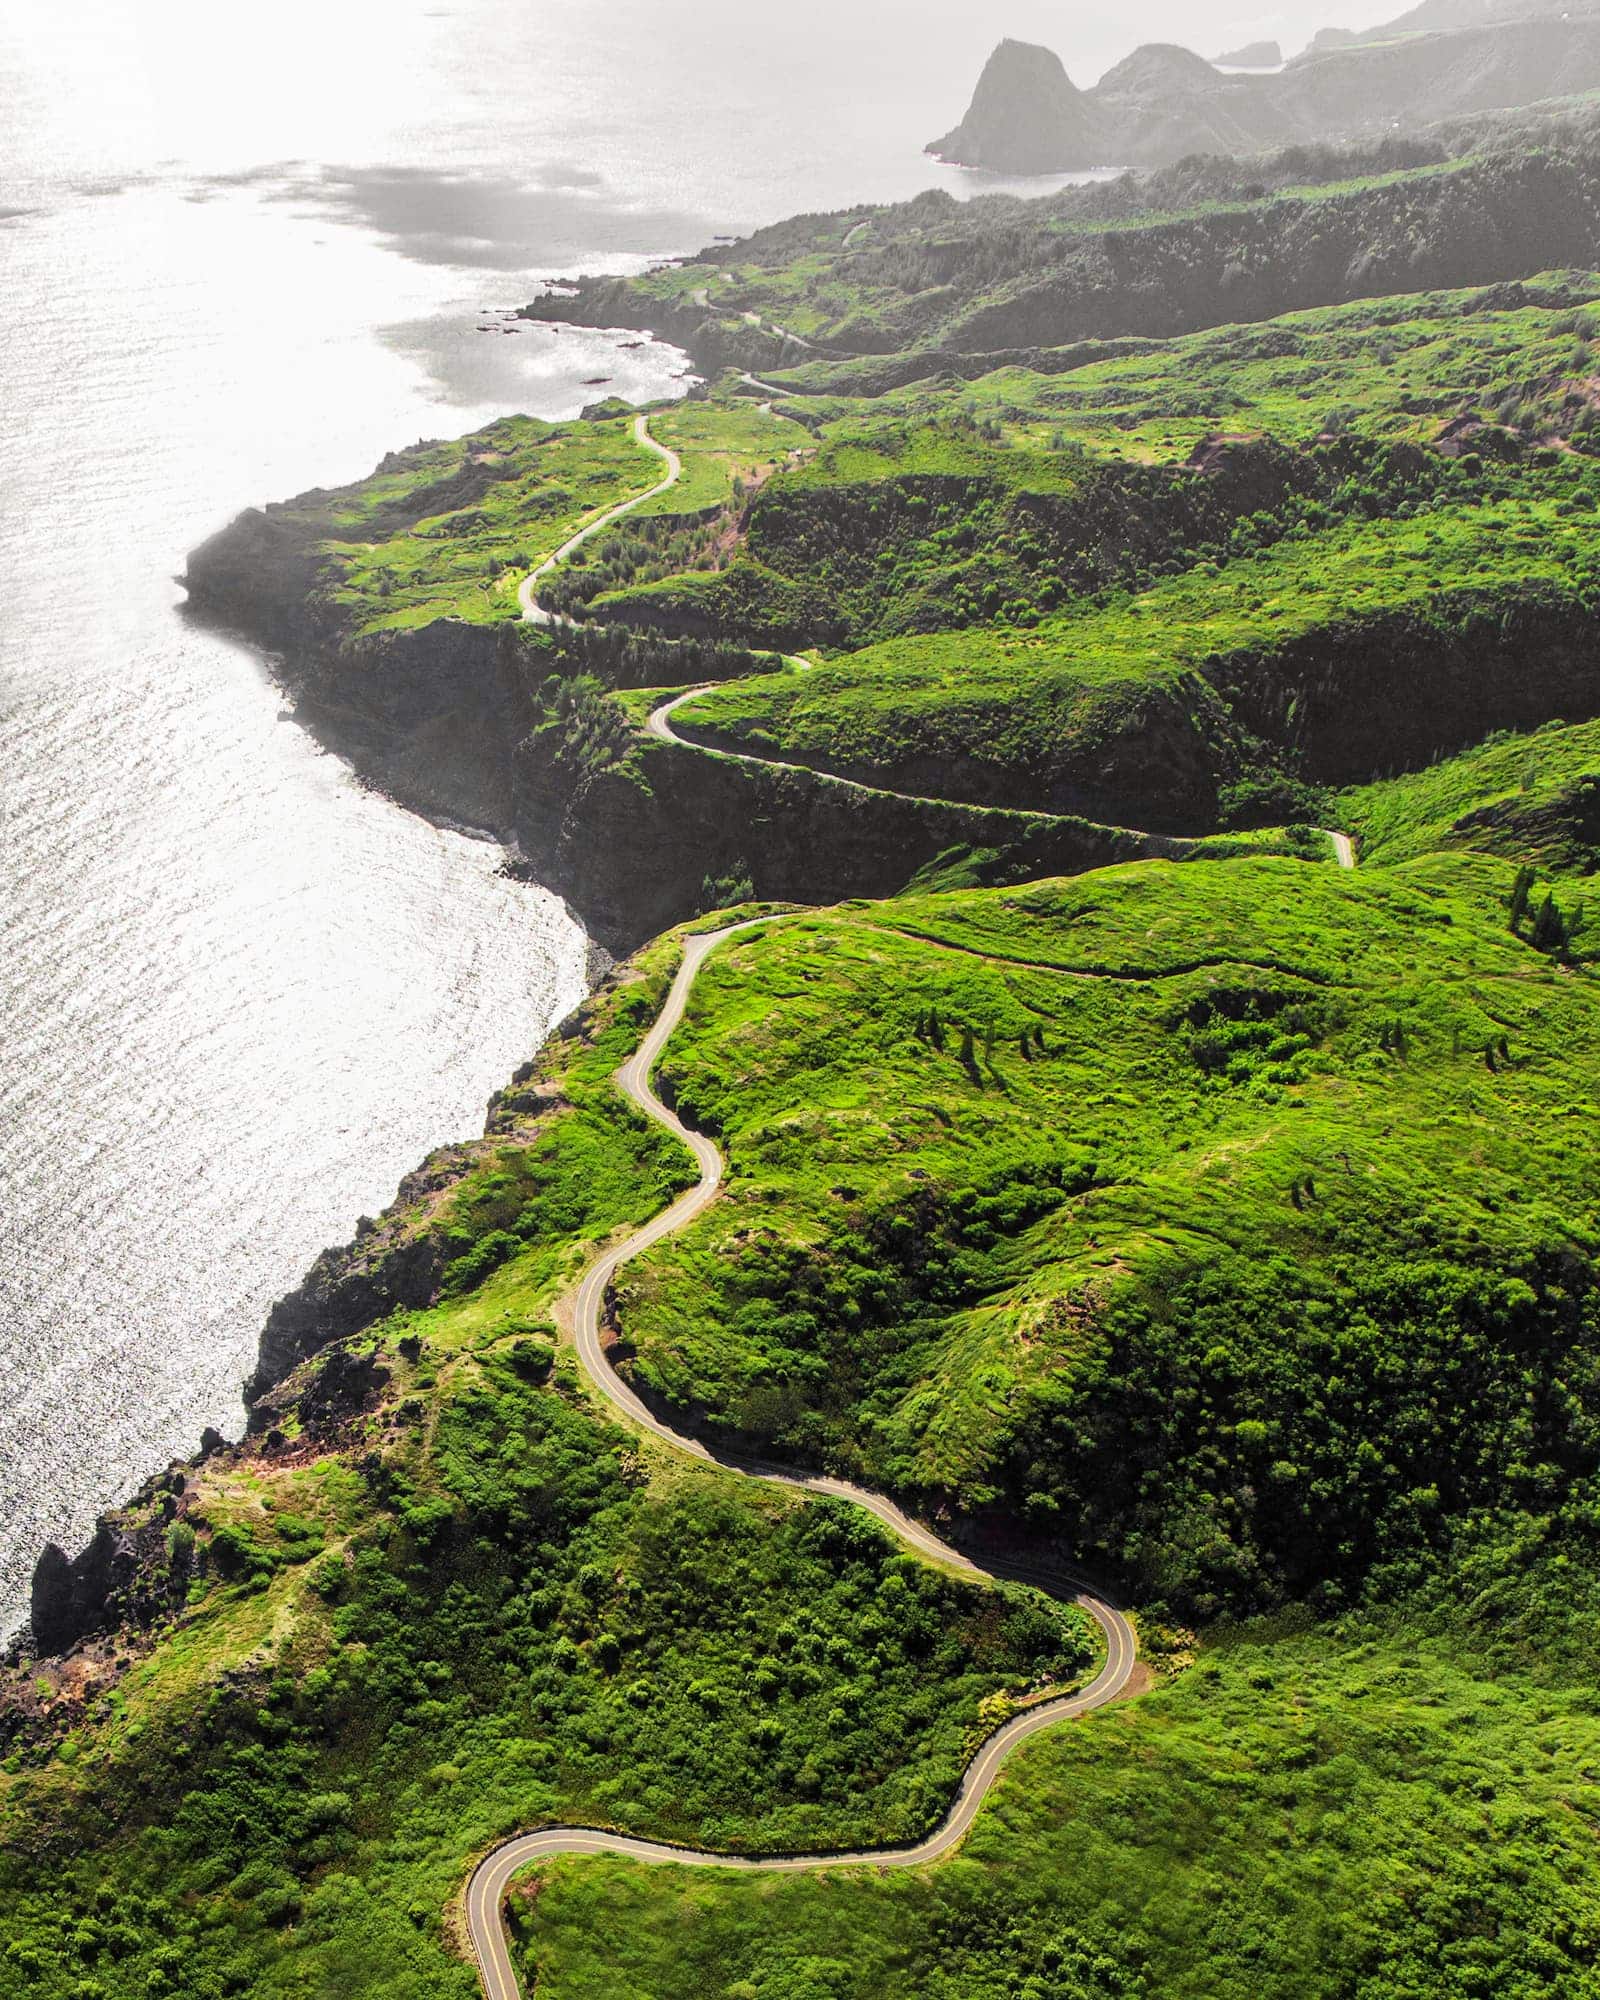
{"x": 1234, "y": 1227}
{"x": 435, "y": 1598}
{"x": 1231, "y": 1228}
{"x": 1179, "y": 588}
{"x": 1163, "y": 587}
{"x": 1216, "y": 1213}
{"x": 1533, "y": 797}
{"x": 1209, "y": 242}
{"x": 1402, "y": 1806}
{"x": 1058, "y": 716}
{"x": 450, "y": 530}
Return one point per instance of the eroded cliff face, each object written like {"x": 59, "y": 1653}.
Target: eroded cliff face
{"x": 447, "y": 719}
{"x": 634, "y": 845}
{"x": 1392, "y": 693}
{"x": 459, "y": 721}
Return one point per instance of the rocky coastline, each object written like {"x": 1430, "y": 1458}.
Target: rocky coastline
{"x": 443, "y": 718}
{"x": 447, "y": 719}
{"x": 440, "y": 719}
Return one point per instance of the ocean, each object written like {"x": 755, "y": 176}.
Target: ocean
{"x": 243, "y": 252}
{"x": 240, "y": 995}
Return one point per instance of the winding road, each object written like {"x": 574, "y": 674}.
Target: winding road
{"x": 1344, "y": 847}
{"x": 660, "y": 726}
{"x": 585, "y": 1310}
{"x": 486, "y": 1891}
{"x": 527, "y": 597}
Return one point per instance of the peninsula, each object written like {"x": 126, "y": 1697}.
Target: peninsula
{"x": 1018, "y": 1385}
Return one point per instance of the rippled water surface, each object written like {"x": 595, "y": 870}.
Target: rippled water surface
{"x": 241, "y": 252}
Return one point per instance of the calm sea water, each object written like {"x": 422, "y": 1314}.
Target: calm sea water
{"x": 239, "y": 995}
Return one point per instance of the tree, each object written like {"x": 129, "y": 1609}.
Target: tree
{"x": 1550, "y": 929}
{"x": 1521, "y": 894}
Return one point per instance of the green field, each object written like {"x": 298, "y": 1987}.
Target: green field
{"x": 1399, "y": 369}
{"x": 1146, "y": 591}
{"x": 1230, "y": 1225}
{"x": 1398, "y": 1807}
{"x": 929, "y": 272}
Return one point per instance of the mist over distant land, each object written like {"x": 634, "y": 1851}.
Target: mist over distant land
{"x": 1089, "y": 39}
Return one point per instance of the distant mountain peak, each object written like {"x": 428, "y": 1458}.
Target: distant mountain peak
{"x": 1254, "y": 55}
{"x": 1026, "y": 116}
{"x": 1159, "y": 63}
{"x": 1446, "y": 59}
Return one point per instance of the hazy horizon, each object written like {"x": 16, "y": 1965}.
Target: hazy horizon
{"x": 1091, "y": 41}
{"x": 162, "y": 83}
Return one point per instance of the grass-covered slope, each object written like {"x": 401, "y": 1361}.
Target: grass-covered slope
{"x": 1238, "y": 1220}
{"x": 435, "y": 1598}
{"x": 1060, "y": 716}
{"x": 449, "y": 530}
{"x": 1404, "y": 1806}
{"x": 1210, "y": 242}
{"x": 1402, "y": 368}
{"x": 1182, "y": 587}
{"x": 1533, "y": 797}
{"x": 1233, "y": 1227}
{"x": 1164, "y": 589}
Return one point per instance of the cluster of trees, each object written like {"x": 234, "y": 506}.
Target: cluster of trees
{"x": 1251, "y": 1434}
{"x": 1547, "y": 925}
{"x": 621, "y": 656}
{"x": 640, "y": 552}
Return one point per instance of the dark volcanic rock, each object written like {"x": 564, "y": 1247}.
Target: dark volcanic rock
{"x": 344, "y": 1386}
{"x": 352, "y": 1287}
{"x": 74, "y": 1596}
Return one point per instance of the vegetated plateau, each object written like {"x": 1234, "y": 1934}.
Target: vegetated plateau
{"x": 1108, "y": 1169}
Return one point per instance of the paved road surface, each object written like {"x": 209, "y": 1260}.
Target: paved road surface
{"x": 660, "y": 722}
{"x": 527, "y": 597}
{"x": 487, "y": 1889}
